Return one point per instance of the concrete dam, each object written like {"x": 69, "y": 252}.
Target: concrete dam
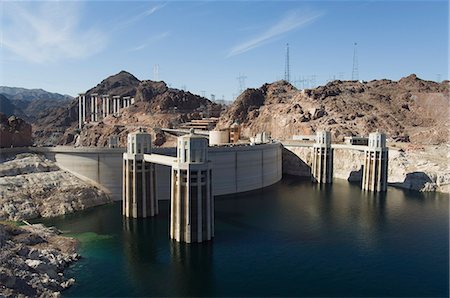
{"x": 237, "y": 168}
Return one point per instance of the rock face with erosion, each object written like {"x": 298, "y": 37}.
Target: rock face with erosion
{"x": 411, "y": 110}
{"x": 14, "y": 132}
{"x": 156, "y": 106}
{"x": 32, "y": 261}
{"x": 32, "y": 186}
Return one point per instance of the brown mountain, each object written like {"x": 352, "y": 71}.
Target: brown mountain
{"x": 408, "y": 109}
{"x": 156, "y": 105}
{"x": 33, "y": 103}
{"x": 14, "y": 132}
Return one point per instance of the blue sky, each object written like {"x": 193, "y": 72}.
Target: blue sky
{"x": 69, "y": 47}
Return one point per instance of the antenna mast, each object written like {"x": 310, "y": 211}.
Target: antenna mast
{"x": 355, "y": 71}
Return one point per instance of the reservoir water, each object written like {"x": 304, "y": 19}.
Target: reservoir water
{"x": 291, "y": 239}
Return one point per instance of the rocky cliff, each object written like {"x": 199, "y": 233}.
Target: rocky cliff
{"x": 32, "y": 261}
{"x": 156, "y": 105}
{"x": 14, "y": 132}
{"x": 410, "y": 109}
{"x": 32, "y": 186}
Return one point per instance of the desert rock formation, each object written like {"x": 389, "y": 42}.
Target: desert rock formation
{"x": 156, "y": 105}
{"x": 32, "y": 186}
{"x": 410, "y": 109}
{"x": 32, "y": 261}
{"x": 14, "y": 132}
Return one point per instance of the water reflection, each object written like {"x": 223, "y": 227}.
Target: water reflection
{"x": 140, "y": 239}
{"x": 292, "y": 239}
{"x": 192, "y": 268}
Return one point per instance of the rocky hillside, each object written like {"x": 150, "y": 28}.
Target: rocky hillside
{"x": 14, "y": 132}
{"x": 156, "y": 105}
{"x": 32, "y": 186}
{"x": 32, "y": 103}
{"x": 32, "y": 261}
{"x": 410, "y": 109}
{"x": 9, "y": 109}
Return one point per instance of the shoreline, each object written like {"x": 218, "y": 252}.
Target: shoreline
{"x": 33, "y": 259}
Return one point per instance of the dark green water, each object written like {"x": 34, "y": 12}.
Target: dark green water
{"x": 291, "y": 239}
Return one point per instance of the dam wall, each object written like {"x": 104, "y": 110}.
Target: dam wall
{"x": 406, "y": 170}
{"x": 235, "y": 169}
{"x": 347, "y": 163}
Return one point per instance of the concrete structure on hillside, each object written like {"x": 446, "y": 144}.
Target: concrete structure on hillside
{"x": 100, "y": 106}
{"x": 192, "y": 202}
{"x": 235, "y": 132}
{"x": 201, "y": 124}
{"x": 322, "y": 166}
{"x": 260, "y": 138}
{"x": 139, "y": 183}
{"x": 375, "y": 170}
{"x": 219, "y": 137}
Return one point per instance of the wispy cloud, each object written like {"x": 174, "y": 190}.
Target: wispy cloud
{"x": 293, "y": 20}
{"x": 44, "y": 32}
{"x": 136, "y": 18}
{"x": 150, "y": 41}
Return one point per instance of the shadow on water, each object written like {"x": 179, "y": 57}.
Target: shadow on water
{"x": 192, "y": 267}
{"x": 355, "y": 177}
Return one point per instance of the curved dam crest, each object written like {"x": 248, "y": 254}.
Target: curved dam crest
{"x": 236, "y": 168}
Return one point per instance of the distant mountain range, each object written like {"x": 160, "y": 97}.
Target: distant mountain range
{"x": 29, "y": 104}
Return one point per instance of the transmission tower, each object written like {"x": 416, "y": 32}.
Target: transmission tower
{"x": 287, "y": 72}
{"x": 203, "y": 92}
{"x": 156, "y": 72}
{"x": 355, "y": 71}
{"x": 241, "y": 79}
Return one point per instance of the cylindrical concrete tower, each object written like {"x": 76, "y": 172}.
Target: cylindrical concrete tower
{"x": 192, "y": 203}
{"x": 81, "y": 109}
{"x": 94, "y": 107}
{"x": 322, "y": 167}
{"x": 375, "y": 169}
{"x": 116, "y": 99}
{"x": 139, "y": 185}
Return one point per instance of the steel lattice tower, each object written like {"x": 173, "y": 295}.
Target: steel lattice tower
{"x": 156, "y": 72}
{"x": 287, "y": 72}
{"x": 355, "y": 71}
{"x": 241, "y": 79}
